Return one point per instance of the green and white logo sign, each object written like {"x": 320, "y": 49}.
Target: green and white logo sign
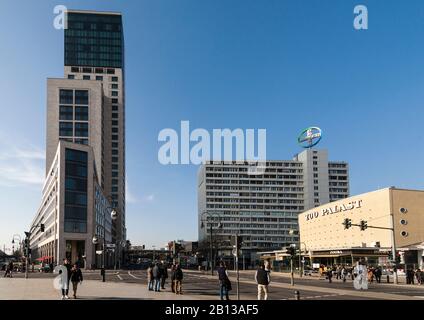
{"x": 310, "y": 137}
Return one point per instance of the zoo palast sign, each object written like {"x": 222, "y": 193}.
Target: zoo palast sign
{"x": 356, "y": 204}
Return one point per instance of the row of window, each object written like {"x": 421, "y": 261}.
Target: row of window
{"x": 73, "y": 113}
{"x": 66, "y": 129}
{"x": 69, "y": 96}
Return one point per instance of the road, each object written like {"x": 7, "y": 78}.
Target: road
{"x": 310, "y": 288}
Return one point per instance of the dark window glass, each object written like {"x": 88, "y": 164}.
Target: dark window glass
{"x": 114, "y": 100}
{"x": 65, "y": 113}
{"x": 114, "y": 93}
{"x": 99, "y": 70}
{"x": 81, "y": 96}
{"x": 114, "y": 115}
{"x": 74, "y": 69}
{"x": 66, "y": 96}
{"x": 114, "y": 189}
{"x": 114, "y": 79}
{"x": 76, "y": 155}
{"x": 114, "y": 174}
{"x": 111, "y": 71}
{"x": 114, "y": 130}
{"x": 114, "y": 108}
{"x": 114, "y": 159}
{"x": 86, "y": 70}
{"x": 114, "y": 86}
{"x": 114, "y": 137}
{"x": 99, "y": 78}
{"x": 65, "y": 129}
{"x": 114, "y": 122}
{"x": 71, "y": 76}
{"x": 76, "y": 169}
{"x": 114, "y": 144}
{"x": 66, "y": 139}
{"x": 114, "y": 167}
{"x": 115, "y": 152}
{"x": 86, "y": 77}
{"x": 81, "y": 113}
{"x": 81, "y": 129}
{"x": 78, "y": 198}
{"x": 82, "y": 141}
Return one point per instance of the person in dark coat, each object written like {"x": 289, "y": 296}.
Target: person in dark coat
{"x": 178, "y": 280}
{"x": 330, "y": 275}
{"x": 377, "y": 274}
{"x": 262, "y": 279}
{"x": 224, "y": 282}
{"x": 163, "y": 274}
{"x": 75, "y": 277}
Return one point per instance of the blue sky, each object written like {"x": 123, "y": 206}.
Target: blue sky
{"x": 277, "y": 65}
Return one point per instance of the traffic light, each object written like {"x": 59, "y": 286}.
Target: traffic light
{"x": 237, "y": 240}
{"x": 363, "y": 225}
{"x": 42, "y": 227}
{"x": 347, "y": 223}
{"x": 291, "y": 251}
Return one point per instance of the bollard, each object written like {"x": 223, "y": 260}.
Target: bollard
{"x": 297, "y": 295}
{"x": 388, "y": 279}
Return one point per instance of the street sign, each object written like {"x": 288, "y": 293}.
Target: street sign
{"x": 110, "y": 245}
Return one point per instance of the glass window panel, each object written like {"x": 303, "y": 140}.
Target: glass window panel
{"x": 81, "y": 113}
{"x": 81, "y": 129}
{"x": 66, "y": 113}
{"x": 65, "y": 129}
{"x": 66, "y": 96}
{"x": 81, "y": 97}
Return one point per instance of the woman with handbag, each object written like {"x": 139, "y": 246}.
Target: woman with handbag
{"x": 224, "y": 281}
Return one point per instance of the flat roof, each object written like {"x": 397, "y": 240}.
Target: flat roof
{"x": 95, "y": 12}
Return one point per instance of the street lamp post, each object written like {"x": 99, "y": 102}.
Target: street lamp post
{"x": 209, "y": 219}
{"x": 95, "y": 240}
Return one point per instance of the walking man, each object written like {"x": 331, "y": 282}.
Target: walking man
{"x": 173, "y": 269}
{"x": 262, "y": 279}
{"x": 329, "y": 275}
{"x": 224, "y": 282}
{"x": 76, "y": 277}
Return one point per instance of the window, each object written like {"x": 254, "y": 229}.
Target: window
{"x": 114, "y": 122}
{"x": 82, "y": 141}
{"x": 114, "y": 137}
{"x": 65, "y": 113}
{"x": 114, "y": 108}
{"x": 111, "y": 71}
{"x": 86, "y": 70}
{"x": 86, "y": 77}
{"x": 114, "y": 159}
{"x": 66, "y": 96}
{"x": 114, "y": 93}
{"x": 65, "y": 129}
{"x": 114, "y": 189}
{"x": 114, "y": 174}
{"x": 71, "y": 76}
{"x": 114, "y": 167}
{"x": 114, "y": 130}
{"x": 114, "y": 116}
{"x": 81, "y": 113}
{"x": 81, "y": 129}
{"x": 99, "y": 70}
{"x": 114, "y": 79}
{"x": 81, "y": 97}
{"x": 114, "y": 86}
{"x": 114, "y": 144}
{"x": 99, "y": 78}
{"x": 75, "y": 69}
{"x": 114, "y": 100}
{"x": 115, "y": 152}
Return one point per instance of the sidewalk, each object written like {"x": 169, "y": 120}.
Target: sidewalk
{"x": 42, "y": 289}
{"x": 328, "y": 290}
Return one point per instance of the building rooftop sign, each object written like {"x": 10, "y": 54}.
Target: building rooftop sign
{"x": 310, "y": 137}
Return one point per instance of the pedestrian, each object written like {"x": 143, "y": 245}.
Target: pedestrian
{"x": 263, "y": 279}
{"x": 150, "y": 278}
{"x": 156, "y": 277}
{"x": 224, "y": 281}
{"x": 67, "y": 265}
{"x": 378, "y": 274}
{"x": 163, "y": 274}
{"x": 178, "y": 280}
{"x": 8, "y": 272}
{"x": 370, "y": 275}
{"x": 76, "y": 277}
{"x": 173, "y": 268}
{"x": 330, "y": 275}
{"x": 343, "y": 273}
{"x": 418, "y": 275}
